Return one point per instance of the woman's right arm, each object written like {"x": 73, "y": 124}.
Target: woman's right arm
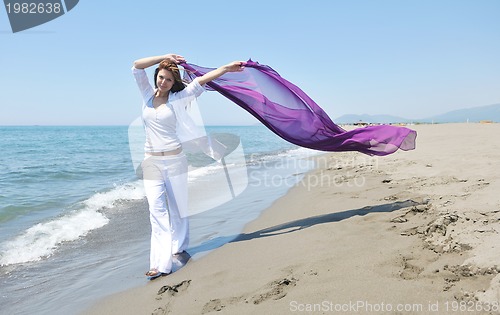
{"x": 147, "y": 62}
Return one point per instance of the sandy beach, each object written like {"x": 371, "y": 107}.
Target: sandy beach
{"x": 415, "y": 232}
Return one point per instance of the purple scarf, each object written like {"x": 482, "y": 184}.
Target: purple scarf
{"x": 291, "y": 114}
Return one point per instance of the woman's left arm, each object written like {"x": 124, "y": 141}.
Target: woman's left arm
{"x": 235, "y": 66}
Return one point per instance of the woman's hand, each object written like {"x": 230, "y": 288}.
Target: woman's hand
{"x": 174, "y": 58}
{"x": 235, "y": 66}
{"x": 151, "y": 61}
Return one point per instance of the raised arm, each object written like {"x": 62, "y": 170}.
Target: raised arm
{"x": 147, "y": 62}
{"x": 235, "y": 66}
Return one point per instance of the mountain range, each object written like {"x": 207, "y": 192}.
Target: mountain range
{"x": 473, "y": 114}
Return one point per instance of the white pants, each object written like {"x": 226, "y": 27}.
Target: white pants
{"x": 165, "y": 183}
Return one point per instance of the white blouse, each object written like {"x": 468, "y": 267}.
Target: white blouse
{"x": 169, "y": 125}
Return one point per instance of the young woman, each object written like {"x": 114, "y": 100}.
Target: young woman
{"x": 165, "y": 114}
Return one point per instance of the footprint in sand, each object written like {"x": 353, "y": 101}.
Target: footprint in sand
{"x": 274, "y": 290}
{"x": 171, "y": 291}
{"x": 410, "y": 269}
{"x": 174, "y": 289}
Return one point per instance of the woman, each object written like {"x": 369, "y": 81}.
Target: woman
{"x": 165, "y": 117}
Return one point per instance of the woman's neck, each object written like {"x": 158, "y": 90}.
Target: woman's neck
{"x": 161, "y": 94}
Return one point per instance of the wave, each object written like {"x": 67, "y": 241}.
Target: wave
{"x": 297, "y": 153}
{"x": 43, "y": 239}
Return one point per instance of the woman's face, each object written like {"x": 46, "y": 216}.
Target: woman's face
{"x": 165, "y": 80}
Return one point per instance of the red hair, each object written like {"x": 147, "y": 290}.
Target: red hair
{"x": 172, "y": 68}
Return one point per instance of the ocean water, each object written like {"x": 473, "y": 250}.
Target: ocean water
{"x": 74, "y": 224}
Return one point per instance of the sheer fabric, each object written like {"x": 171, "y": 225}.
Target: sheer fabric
{"x": 291, "y": 114}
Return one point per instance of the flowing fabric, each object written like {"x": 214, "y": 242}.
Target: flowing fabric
{"x": 291, "y": 114}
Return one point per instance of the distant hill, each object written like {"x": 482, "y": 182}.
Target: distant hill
{"x": 473, "y": 114}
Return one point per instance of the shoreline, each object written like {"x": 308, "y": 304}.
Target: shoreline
{"x": 417, "y": 230}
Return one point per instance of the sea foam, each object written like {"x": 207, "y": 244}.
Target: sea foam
{"x": 43, "y": 239}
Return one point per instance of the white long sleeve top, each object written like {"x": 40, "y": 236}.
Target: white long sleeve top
{"x": 167, "y": 127}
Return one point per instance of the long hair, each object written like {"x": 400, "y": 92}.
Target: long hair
{"x": 172, "y": 68}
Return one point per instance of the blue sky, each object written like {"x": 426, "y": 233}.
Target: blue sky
{"x": 414, "y": 58}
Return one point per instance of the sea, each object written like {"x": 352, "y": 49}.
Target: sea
{"x": 74, "y": 221}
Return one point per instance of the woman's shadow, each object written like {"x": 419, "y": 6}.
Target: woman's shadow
{"x": 298, "y": 225}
